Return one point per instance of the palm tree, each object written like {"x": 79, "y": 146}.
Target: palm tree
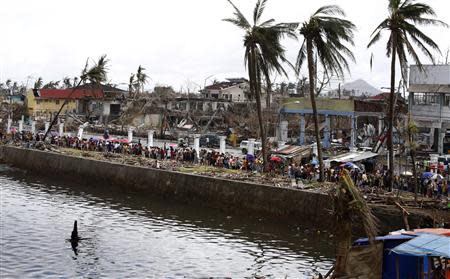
{"x": 67, "y": 83}
{"x": 75, "y": 81}
{"x": 401, "y": 24}
{"x": 324, "y": 37}
{"x": 131, "y": 84}
{"x": 348, "y": 205}
{"x": 412, "y": 131}
{"x": 51, "y": 85}
{"x": 141, "y": 79}
{"x": 38, "y": 83}
{"x": 263, "y": 54}
{"x": 96, "y": 74}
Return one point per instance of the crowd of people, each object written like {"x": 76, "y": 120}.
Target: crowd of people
{"x": 435, "y": 185}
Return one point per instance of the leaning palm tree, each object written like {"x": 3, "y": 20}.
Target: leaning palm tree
{"x": 324, "y": 42}
{"x": 401, "y": 24}
{"x": 263, "y": 54}
{"x": 95, "y": 75}
{"x": 349, "y": 205}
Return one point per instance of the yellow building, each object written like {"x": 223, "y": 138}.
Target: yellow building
{"x": 44, "y": 103}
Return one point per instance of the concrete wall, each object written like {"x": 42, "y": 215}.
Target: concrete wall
{"x": 432, "y": 74}
{"x": 300, "y": 207}
{"x": 218, "y": 193}
{"x": 321, "y": 103}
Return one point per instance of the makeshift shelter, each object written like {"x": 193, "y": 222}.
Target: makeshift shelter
{"x": 422, "y": 249}
{"x": 352, "y": 156}
{"x": 389, "y": 259}
{"x": 294, "y": 152}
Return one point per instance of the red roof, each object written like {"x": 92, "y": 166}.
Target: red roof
{"x": 71, "y": 94}
{"x": 438, "y": 231}
{"x": 380, "y": 97}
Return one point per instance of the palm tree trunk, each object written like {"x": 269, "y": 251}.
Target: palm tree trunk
{"x": 343, "y": 243}
{"x": 415, "y": 177}
{"x": 314, "y": 107}
{"x": 257, "y": 88}
{"x": 390, "y": 142}
{"x": 268, "y": 94}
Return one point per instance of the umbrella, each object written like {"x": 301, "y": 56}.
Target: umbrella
{"x": 437, "y": 176}
{"x": 250, "y": 157}
{"x": 350, "y": 165}
{"x": 314, "y": 162}
{"x": 427, "y": 175}
{"x": 276, "y": 159}
{"x": 407, "y": 173}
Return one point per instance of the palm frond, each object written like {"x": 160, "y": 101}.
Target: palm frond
{"x": 239, "y": 19}
{"x": 402, "y": 23}
{"x": 329, "y": 36}
{"x": 330, "y": 10}
{"x": 349, "y": 202}
{"x": 259, "y": 9}
{"x": 98, "y": 72}
{"x": 371, "y": 61}
{"x": 37, "y": 84}
{"x": 301, "y": 57}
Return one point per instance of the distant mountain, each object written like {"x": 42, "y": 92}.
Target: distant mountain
{"x": 360, "y": 87}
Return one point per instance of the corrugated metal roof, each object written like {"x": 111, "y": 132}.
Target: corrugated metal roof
{"x": 294, "y": 150}
{"x": 353, "y": 156}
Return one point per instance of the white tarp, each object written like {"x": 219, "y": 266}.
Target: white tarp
{"x": 352, "y": 156}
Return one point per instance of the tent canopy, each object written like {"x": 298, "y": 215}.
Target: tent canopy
{"x": 425, "y": 245}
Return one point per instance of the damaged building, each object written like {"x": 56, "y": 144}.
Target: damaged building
{"x": 429, "y": 104}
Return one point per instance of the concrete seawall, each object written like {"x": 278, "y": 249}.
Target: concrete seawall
{"x": 218, "y": 193}
{"x": 297, "y": 205}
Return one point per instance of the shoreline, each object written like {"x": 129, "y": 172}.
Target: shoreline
{"x": 217, "y": 192}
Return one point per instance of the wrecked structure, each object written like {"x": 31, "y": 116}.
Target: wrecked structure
{"x": 86, "y": 102}
{"x": 344, "y": 119}
{"x": 429, "y": 104}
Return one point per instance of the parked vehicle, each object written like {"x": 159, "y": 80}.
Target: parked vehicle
{"x": 244, "y": 146}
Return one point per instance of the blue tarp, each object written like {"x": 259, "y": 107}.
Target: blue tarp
{"x": 427, "y": 175}
{"x": 250, "y": 157}
{"x": 425, "y": 245}
{"x": 402, "y": 238}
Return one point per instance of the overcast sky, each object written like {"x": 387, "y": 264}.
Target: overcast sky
{"x": 180, "y": 42}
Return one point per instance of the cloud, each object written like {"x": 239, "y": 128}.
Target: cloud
{"x": 176, "y": 40}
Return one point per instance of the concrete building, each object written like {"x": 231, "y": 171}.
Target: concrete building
{"x": 328, "y": 110}
{"x": 106, "y": 108}
{"x": 100, "y": 102}
{"x": 234, "y": 90}
{"x": 429, "y": 102}
{"x": 44, "y": 103}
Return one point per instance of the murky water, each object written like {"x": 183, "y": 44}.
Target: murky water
{"x": 126, "y": 235}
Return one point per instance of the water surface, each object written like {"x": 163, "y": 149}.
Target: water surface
{"x": 127, "y": 235}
